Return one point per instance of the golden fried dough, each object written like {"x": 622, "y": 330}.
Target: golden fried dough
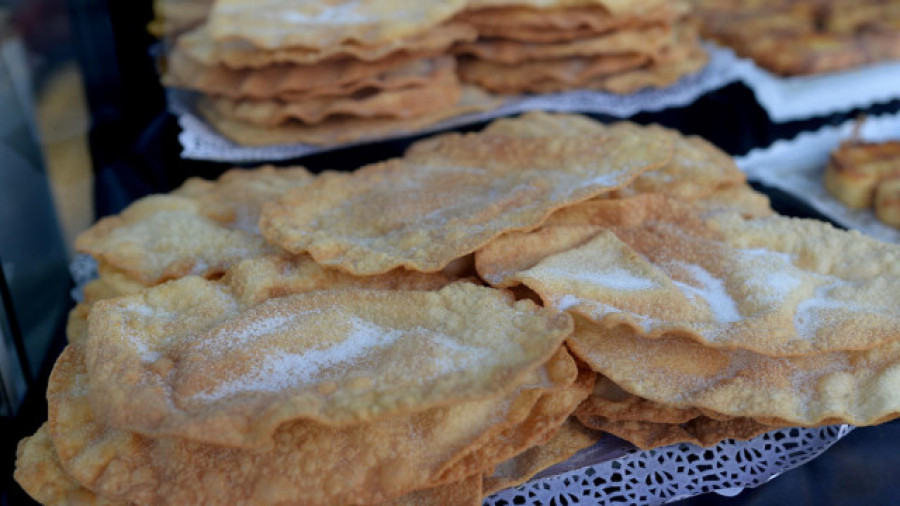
{"x": 696, "y": 170}
{"x": 452, "y": 198}
{"x": 172, "y": 17}
{"x": 40, "y": 474}
{"x": 774, "y": 285}
{"x": 468, "y": 491}
{"x": 887, "y": 202}
{"x": 201, "y": 47}
{"x": 609, "y": 401}
{"x": 571, "y": 437}
{"x": 545, "y": 76}
{"x": 443, "y": 92}
{"x": 336, "y": 357}
{"x": 548, "y": 415}
{"x": 665, "y": 72}
{"x": 366, "y": 463}
{"x": 700, "y": 431}
{"x": 165, "y": 237}
{"x": 797, "y": 38}
{"x": 275, "y": 24}
{"x": 614, "y": 7}
{"x": 856, "y": 169}
{"x": 621, "y": 61}
{"x": 200, "y": 229}
{"x": 294, "y": 82}
{"x": 100, "y": 288}
{"x": 256, "y": 280}
{"x": 235, "y": 198}
{"x": 76, "y": 324}
{"x": 855, "y": 387}
{"x": 362, "y": 359}
{"x": 339, "y": 129}
{"x": 739, "y": 198}
{"x": 646, "y": 41}
{"x": 529, "y": 24}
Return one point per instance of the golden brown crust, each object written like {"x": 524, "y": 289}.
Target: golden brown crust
{"x": 446, "y": 214}
{"x": 887, "y": 202}
{"x": 862, "y": 175}
{"x": 805, "y": 37}
{"x": 661, "y": 266}
{"x": 856, "y": 387}
{"x": 438, "y": 92}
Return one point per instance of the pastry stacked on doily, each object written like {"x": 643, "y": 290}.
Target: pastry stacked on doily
{"x": 798, "y": 37}
{"x": 336, "y": 71}
{"x": 324, "y": 72}
{"x": 866, "y": 175}
{"x": 539, "y": 47}
{"x": 173, "y": 17}
{"x": 433, "y": 328}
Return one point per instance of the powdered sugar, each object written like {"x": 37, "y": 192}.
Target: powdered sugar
{"x": 597, "y": 310}
{"x": 567, "y": 302}
{"x": 613, "y": 278}
{"x": 449, "y": 355}
{"x": 774, "y": 275}
{"x": 284, "y": 370}
{"x": 609, "y": 179}
{"x": 712, "y": 290}
{"x": 342, "y": 14}
{"x": 812, "y": 313}
{"x": 231, "y": 337}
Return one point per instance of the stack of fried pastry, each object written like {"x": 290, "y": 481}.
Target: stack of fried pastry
{"x": 433, "y": 328}
{"x": 798, "y": 37}
{"x": 540, "y": 47}
{"x": 864, "y": 175}
{"x": 323, "y": 72}
{"x": 173, "y": 17}
{"x": 338, "y": 71}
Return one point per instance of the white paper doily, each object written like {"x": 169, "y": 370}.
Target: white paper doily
{"x": 674, "y": 472}
{"x": 797, "y": 167}
{"x": 199, "y": 141}
{"x": 793, "y": 98}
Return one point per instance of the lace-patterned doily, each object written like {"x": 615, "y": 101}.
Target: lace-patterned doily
{"x": 675, "y": 472}
{"x": 797, "y": 167}
{"x": 199, "y": 141}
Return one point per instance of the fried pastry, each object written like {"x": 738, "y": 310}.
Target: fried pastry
{"x": 441, "y": 92}
{"x": 468, "y": 189}
{"x": 200, "y": 229}
{"x": 804, "y": 37}
{"x": 431, "y": 328}
{"x": 856, "y": 170}
{"x": 341, "y": 129}
{"x": 275, "y": 24}
{"x": 369, "y": 354}
{"x": 774, "y": 285}
{"x": 336, "y": 78}
{"x": 887, "y": 202}
{"x": 366, "y": 463}
{"x": 855, "y": 387}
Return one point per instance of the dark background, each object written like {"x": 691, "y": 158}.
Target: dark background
{"x": 133, "y": 143}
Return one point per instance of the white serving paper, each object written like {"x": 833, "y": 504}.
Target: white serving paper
{"x": 797, "y": 167}
{"x": 795, "y": 98}
{"x": 609, "y": 473}
{"x": 199, "y": 141}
